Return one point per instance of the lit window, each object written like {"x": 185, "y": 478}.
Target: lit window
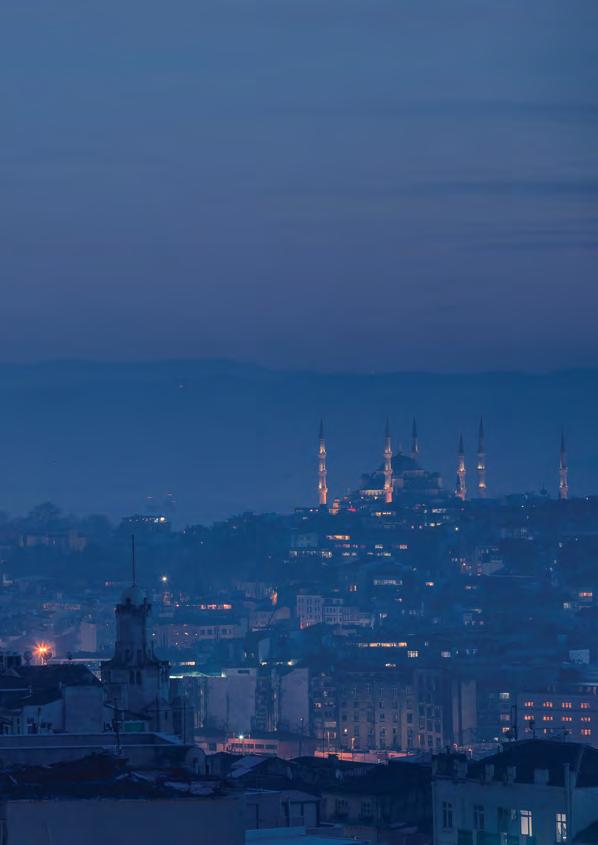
{"x": 504, "y": 696}
{"x": 566, "y": 705}
{"x": 528, "y": 703}
{"x": 585, "y": 718}
{"x": 547, "y": 718}
{"x": 547, "y": 704}
{"x": 586, "y": 731}
{"x": 447, "y": 815}
{"x": 526, "y": 823}
{"x": 561, "y": 827}
{"x": 584, "y": 705}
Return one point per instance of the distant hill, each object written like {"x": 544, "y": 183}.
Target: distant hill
{"x": 226, "y": 437}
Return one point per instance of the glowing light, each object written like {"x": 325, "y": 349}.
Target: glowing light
{"x": 164, "y": 579}
{"x": 42, "y": 651}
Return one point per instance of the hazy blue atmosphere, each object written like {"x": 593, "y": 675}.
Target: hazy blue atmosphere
{"x": 325, "y": 184}
{"x": 224, "y": 438}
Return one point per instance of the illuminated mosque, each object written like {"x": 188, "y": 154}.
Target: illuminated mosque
{"x": 401, "y": 479}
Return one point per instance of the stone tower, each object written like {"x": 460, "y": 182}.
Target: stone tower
{"x": 137, "y": 683}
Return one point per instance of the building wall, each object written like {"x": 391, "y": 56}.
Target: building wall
{"x": 230, "y": 700}
{"x": 84, "y": 709}
{"x": 211, "y": 821}
{"x": 293, "y": 701}
{"x": 371, "y": 712}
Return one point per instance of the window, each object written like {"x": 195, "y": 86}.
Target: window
{"x": 504, "y": 696}
{"x": 561, "y": 827}
{"x": 447, "y": 815}
{"x": 586, "y": 731}
{"x": 526, "y": 824}
{"x": 566, "y": 705}
{"x": 584, "y": 705}
{"x": 547, "y": 704}
{"x": 341, "y": 807}
{"x": 528, "y": 703}
{"x": 366, "y": 809}
{"x": 478, "y": 817}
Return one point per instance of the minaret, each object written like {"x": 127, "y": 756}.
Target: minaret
{"x": 414, "y": 441}
{"x": 563, "y": 471}
{"x": 461, "y": 489}
{"x": 322, "y": 488}
{"x": 481, "y": 463}
{"x": 387, "y": 466}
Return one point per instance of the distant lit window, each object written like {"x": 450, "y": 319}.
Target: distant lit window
{"x": 547, "y": 718}
{"x": 586, "y": 731}
{"x": 566, "y": 705}
{"x": 504, "y": 696}
{"x": 528, "y": 703}
{"x": 526, "y": 822}
{"x": 585, "y": 718}
{"x": 561, "y": 827}
{"x": 547, "y": 704}
{"x": 584, "y": 705}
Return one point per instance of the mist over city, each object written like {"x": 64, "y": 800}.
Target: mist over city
{"x": 298, "y": 422}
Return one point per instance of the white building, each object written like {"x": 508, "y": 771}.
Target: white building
{"x": 535, "y": 792}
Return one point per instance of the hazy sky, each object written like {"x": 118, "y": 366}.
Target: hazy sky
{"x": 332, "y": 183}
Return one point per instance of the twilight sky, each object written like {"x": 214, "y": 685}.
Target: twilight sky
{"x": 355, "y": 184}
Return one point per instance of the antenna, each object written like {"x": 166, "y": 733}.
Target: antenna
{"x": 133, "y": 559}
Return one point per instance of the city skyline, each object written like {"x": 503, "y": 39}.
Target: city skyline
{"x": 299, "y": 422}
